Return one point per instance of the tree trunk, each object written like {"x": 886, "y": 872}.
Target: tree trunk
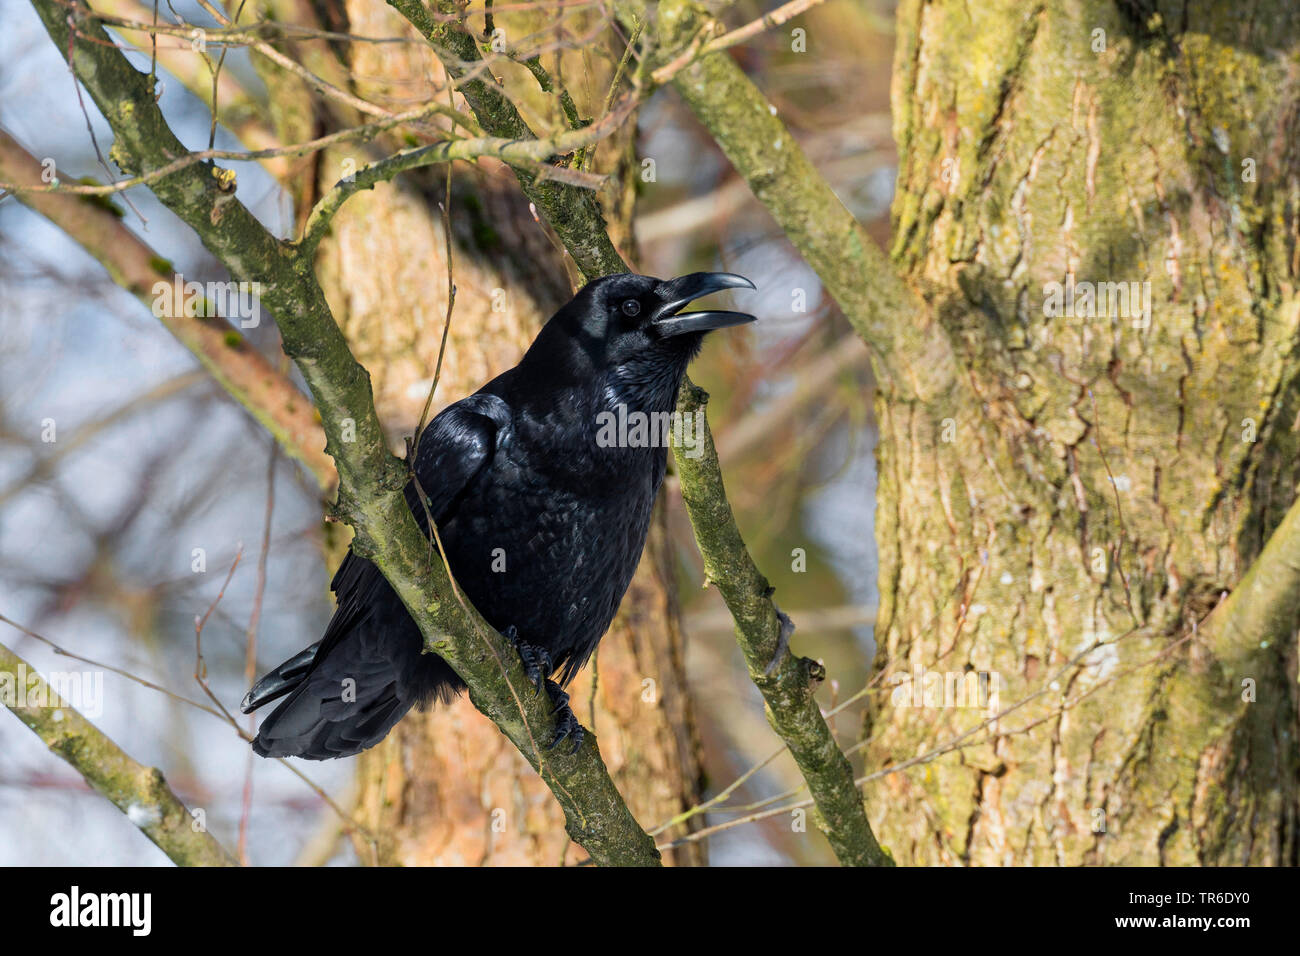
{"x": 445, "y": 787}
{"x": 1103, "y": 476}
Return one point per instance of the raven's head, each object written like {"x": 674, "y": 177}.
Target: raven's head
{"x": 631, "y": 331}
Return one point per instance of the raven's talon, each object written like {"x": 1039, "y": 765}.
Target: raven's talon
{"x": 566, "y": 725}
{"x": 537, "y": 661}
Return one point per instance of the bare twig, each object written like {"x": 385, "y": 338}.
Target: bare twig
{"x": 703, "y": 46}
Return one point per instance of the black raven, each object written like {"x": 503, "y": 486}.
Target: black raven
{"x": 541, "y": 486}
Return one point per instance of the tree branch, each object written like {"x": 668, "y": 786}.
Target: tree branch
{"x": 914, "y": 357}
{"x": 703, "y": 46}
{"x": 138, "y": 791}
{"x": 575, "y": 216}
{"x": 458, "y": 149}
{"x": 786, "y": 682}
{"x": 237, "y": 108}
{"x": 235, "y": 365}
{"x": 521, "y": 154}
{"x": 1263, "y": 610}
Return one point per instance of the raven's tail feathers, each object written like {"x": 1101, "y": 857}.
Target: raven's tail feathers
{"x": 306, "y": 726}
{"x": 342, "y": 697}
{"x": 279, "y": 681}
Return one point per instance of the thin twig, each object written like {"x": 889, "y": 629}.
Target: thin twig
{"x": 250, "y": 644}
{"x": 702, "y": 48}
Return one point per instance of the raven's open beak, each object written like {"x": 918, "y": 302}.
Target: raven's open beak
{"x": 682, "y": 291}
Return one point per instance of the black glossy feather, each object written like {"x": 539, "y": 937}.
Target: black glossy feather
{"x": 542, "y": 524}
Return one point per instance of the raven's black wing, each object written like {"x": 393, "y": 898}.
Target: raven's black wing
{"x": 368, "y": 670}
{"x": 455, "y": 447}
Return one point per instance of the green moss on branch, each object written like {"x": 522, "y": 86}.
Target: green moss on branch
{"x": 574, "y": 214}
{"x": 911, "y": 356}
{"x": 786, "y": 682}
{"x": 138, "y": 791}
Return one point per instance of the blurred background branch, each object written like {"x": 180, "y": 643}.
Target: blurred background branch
{"x": 138, "y": 791}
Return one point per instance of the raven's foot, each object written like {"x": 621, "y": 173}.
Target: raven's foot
{"x": 566, "y": 725}
{"x": 537, "y": 661}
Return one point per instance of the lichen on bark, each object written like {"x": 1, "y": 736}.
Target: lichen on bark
{"x": 1101, "y": 479}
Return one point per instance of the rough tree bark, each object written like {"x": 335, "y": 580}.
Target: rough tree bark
{"x": 1093, "y": 483}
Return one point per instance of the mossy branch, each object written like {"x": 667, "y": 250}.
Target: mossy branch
{"x": 573, "y": 214}
{"x": 1263, "y": 610}
{"x": 1225, "y": 699}
{"x": 793, "y": 711}
{"x": 786, "y": 682}
{"x": 371, "y": 480}
{"x": 912, "y": 356}
{"x": 1245, "y": 637}
{"x": 523, "y": 154}
{"x": 138, "y": 791}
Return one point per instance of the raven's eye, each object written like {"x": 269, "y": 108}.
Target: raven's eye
{"x": 631, "y": 307}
